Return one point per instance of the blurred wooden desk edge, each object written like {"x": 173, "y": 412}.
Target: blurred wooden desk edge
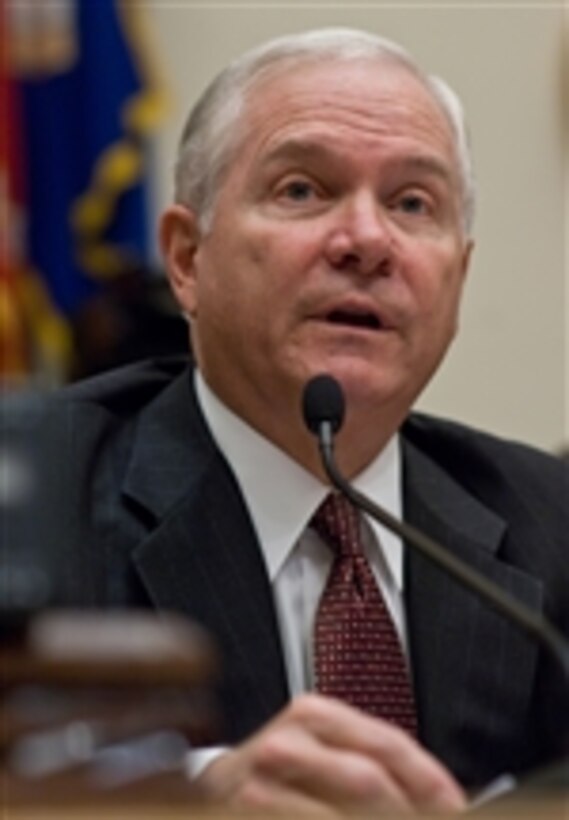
{"x": 544, "y": 810}
{"x": 99, "y": 709}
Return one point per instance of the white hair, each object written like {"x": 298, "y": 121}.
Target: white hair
{"x": 212, "y": 132}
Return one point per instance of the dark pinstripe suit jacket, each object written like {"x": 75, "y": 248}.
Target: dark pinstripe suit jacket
{"x": 140, "y": 508}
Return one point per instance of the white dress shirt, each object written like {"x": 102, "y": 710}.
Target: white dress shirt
{"x": 281, "y": 497}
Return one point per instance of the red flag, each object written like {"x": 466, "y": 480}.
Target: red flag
{"x": 13, "y": 350}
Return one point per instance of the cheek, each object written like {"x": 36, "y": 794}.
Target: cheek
{"x": 446, "y": 308}
{"x": 233, "y": 291}
{"x": 442, "y": 277}
{"x": 290, "y": 243}
{"x": 259, "y": 250}
{"x": 436, "y": 291}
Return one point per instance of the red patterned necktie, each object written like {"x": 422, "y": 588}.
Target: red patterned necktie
{"x": 358, "y": 655}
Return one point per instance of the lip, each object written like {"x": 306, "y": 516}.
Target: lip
{"x": 355, "y": 314}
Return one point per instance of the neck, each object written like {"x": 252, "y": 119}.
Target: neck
{"x": 363, "y": 436}
{"x": 355, "y": 447}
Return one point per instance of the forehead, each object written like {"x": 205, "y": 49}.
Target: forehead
{"x": 368, "y": 101}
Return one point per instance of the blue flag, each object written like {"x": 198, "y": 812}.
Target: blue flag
{"x": 88, "y": 106}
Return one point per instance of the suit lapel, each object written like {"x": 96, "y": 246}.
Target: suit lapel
{"x": 202, "y": 557}
{"x": 473, "y": 670}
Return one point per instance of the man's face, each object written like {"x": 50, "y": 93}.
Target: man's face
{"x": 336, "y": 244}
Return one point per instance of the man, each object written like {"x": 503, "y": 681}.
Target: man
{"x": 321, "y": 225}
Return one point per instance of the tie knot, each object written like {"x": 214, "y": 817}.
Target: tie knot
{"x": 337, "y": 522}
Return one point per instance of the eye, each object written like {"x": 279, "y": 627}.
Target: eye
{"x": 413, "y": 204}
{"x": 298, "y": 190}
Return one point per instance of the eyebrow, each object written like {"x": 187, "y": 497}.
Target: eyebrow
{"x": 300, "y": 149}
{"x": 430, "y": 165}
{"x": 308, "y": 149}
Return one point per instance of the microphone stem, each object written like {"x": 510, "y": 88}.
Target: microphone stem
{"x": 534, "y": 624}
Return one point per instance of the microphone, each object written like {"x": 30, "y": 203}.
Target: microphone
{"x": 323, "y": 410}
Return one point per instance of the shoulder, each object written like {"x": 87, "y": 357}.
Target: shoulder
{"x": 68, "y": 433}
{"x": 115, "y": 394}
{"x": 490, "y": 467}
{"x": 451, "y": 442}
{"x": 125, "y": 389}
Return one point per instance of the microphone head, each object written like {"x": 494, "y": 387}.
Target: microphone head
{"x": 323, "y": 400}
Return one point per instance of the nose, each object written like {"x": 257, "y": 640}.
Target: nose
{"x": 361, "y": 240}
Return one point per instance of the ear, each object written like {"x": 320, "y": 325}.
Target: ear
{"x": 179, "y": 240}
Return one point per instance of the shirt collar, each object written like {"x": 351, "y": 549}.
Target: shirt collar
{"x": 282, "y": 496}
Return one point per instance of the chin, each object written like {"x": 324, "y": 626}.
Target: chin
{"x": 361, "y": 379}
{"x": 367, "y": 385}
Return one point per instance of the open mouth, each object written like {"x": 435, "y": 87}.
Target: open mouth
{"x": 358, "y": 319}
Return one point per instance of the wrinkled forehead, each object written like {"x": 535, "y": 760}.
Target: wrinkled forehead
{"x": 374, "y": 84}
{"x": 378, "y": 94}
